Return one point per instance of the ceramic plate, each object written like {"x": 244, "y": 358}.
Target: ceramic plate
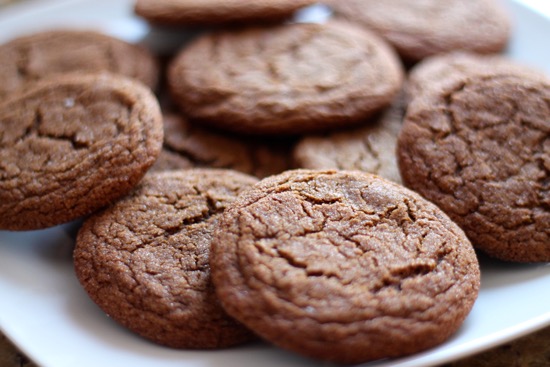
{"x": 44, "y": 311}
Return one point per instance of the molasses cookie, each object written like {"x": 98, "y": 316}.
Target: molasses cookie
{"x": 71, "y": 145}
{"x": 422, "y": 28}
{"x": 144, "y": 260}
{"x": 216, "y": 12}
{"x": 29, "y": 58}
{"x": 370, "y": 148}
{"x": 186, "y": 145}
{"x": 288, "y": 79}
{"x": 480, "y": 150}
{"x": 433, "y": 72}
{"x": 343, "y": 266}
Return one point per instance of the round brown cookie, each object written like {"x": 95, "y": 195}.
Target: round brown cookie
{"x": 216, "y": 12}
{"x": 288, "y": 79}
{"x": 188, "y": 146}
{"x": 370, "y": 148}
{"x": 144, "y": 260}
{"x": 422, "y": 28}
{"x": 71, "y": 145}
{"x": 343, "y": 266}
{"x": 436, "y": 71}
{"x": 480, "y": 150}
{"x": 29, "y": 58}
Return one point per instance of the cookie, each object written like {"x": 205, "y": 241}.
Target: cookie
{"x": 433, "y": 72}
{"x": 71, "y": 145}
{"x": 418, "y": 29}
{"x": 144, "y": 260}
{"x": 480, "y": 150}
{"x": 188, "y": 146}
{"x": 343, "y": 266}
{"x": 216, "y": 12}
{"x": 369, "y": 148}
{"x": 33, "y": 57}
{"x": 288, "y": 79}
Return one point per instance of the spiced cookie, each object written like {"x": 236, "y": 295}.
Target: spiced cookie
{"x": 71, "y": 145}
{"x": 480, "y": 150}
{"x": 343, "y": 266}
{"x": 186, "y": 145}
{"x": 288, "y": 79}
{"x": 216, "y": 12}
{"x": 435, "y": 71}
{"x": 144, "y": 260}
{"x": 370, "y": 148}
{"x": 29, "y": 58}
{"x": 422, "y": 28}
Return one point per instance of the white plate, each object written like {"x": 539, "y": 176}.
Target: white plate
{"x": 46, "y": 313}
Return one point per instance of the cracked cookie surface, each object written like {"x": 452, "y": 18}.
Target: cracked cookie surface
{"x": 287, "y": 79}
{"x": 369, "y": 148}
{"x": 480, "y": 150}
{"x": 343, "y": 266}
{"x": 40, "y": 55}
{"x": 421, "y": 28}
{"x": 73, "y": 144}
{"x": 144, "y": 260}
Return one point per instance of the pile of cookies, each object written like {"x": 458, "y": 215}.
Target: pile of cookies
{"x": 321, "y": 186}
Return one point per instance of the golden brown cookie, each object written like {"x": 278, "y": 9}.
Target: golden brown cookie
{"x": 343, "y": 266}
{"x": 369, "y": 148}
{"x": 216, "y": 12}
{"x": 421, "y": 28}
{"x": 144, "y": 260}
{"x": 480, "y": 150}
{"x": 33, "y": 57}
{"x": 287, "y": 79}
{"x": 186, "y": 146}
{"x": 71, "y": 145}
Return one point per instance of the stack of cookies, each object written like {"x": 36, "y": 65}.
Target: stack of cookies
{"x": 321, "y": 186}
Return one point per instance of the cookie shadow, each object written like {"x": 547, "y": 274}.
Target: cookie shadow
{"x": 496, "y": 273}
{"x": 166, "y": 41}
